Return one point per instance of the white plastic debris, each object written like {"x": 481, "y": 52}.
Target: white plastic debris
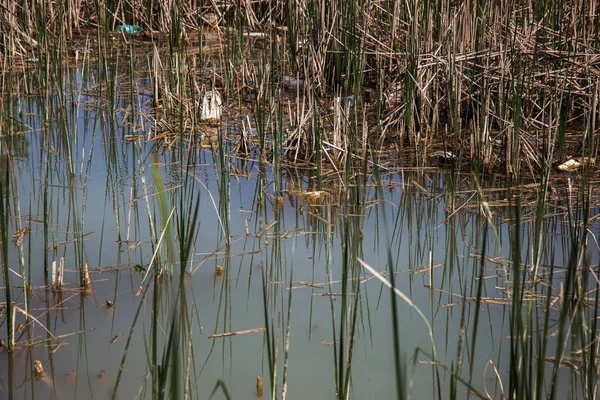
{"x": 573, "y": 164}
{"x": 569, "y": 165}
{"x": 211, "y": 106}
{"x": 444, "y": 155}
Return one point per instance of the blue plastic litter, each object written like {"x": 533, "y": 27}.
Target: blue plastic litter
{"x": 348, "y": 101}
{"x": 130, "y": 29}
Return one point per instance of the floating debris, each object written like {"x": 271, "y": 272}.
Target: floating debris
{"x": 236, "y": 333}
{"x": 366, "y": 100}
{"x": 219, "y": 270}
{"x": 38, "y": 369}
{"x": 20, "y": 235}
{"x": 444, "y": 155}
{"x": 133, "y": 246}
{"x": 290, "y": 83}
{"x": 211, "y": 106}
{"x": 129, "y": 29}
{"x": 574, "y": 164}
{"x": 587, "y": 160}
{"x": 259, "y": 386}
{"x": 569, "y": 165}
{"x": 109, "y": 304}
{"x": 40, "y": 375}
{"x": 115, "y": 338}
{"x": 33, "y": 60}
{"x": 349, "y": 100}
{"x": 313, "y": 195}
{"x": 267, "y": 227}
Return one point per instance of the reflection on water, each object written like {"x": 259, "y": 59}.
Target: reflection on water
{"x": 85, "y": 190}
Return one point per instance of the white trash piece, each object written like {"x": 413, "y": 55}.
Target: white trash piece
{"x": 211, "y": 106}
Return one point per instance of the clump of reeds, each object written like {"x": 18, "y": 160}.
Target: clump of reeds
{"x": 334, "y": 83}
{"x": 499, "y": 85}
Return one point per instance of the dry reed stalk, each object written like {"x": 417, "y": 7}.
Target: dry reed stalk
{"x": 60, "y": 274}
{"x": 86, "y": 280}
{"x": 259, "y": 387}
{"x": 53, "y": 275}
{"x": 243, "y": 332}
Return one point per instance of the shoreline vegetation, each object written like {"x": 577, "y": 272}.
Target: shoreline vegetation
{"x": 510, "y": 87}
{"x": 326, "y": 107}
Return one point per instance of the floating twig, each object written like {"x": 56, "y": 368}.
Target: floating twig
{"x": 236, "y": 333}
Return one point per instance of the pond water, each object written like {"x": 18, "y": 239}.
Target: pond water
{"x": 95, "y": 185}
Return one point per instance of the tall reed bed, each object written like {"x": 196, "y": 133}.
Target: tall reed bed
{"x": 504, "y": 84}
{"x": 333, "y": 85}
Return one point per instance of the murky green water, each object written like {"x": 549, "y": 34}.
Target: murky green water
{"x": 97, "y": 187}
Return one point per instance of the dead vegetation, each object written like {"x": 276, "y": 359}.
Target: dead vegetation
{"x": 508, "y": 87}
